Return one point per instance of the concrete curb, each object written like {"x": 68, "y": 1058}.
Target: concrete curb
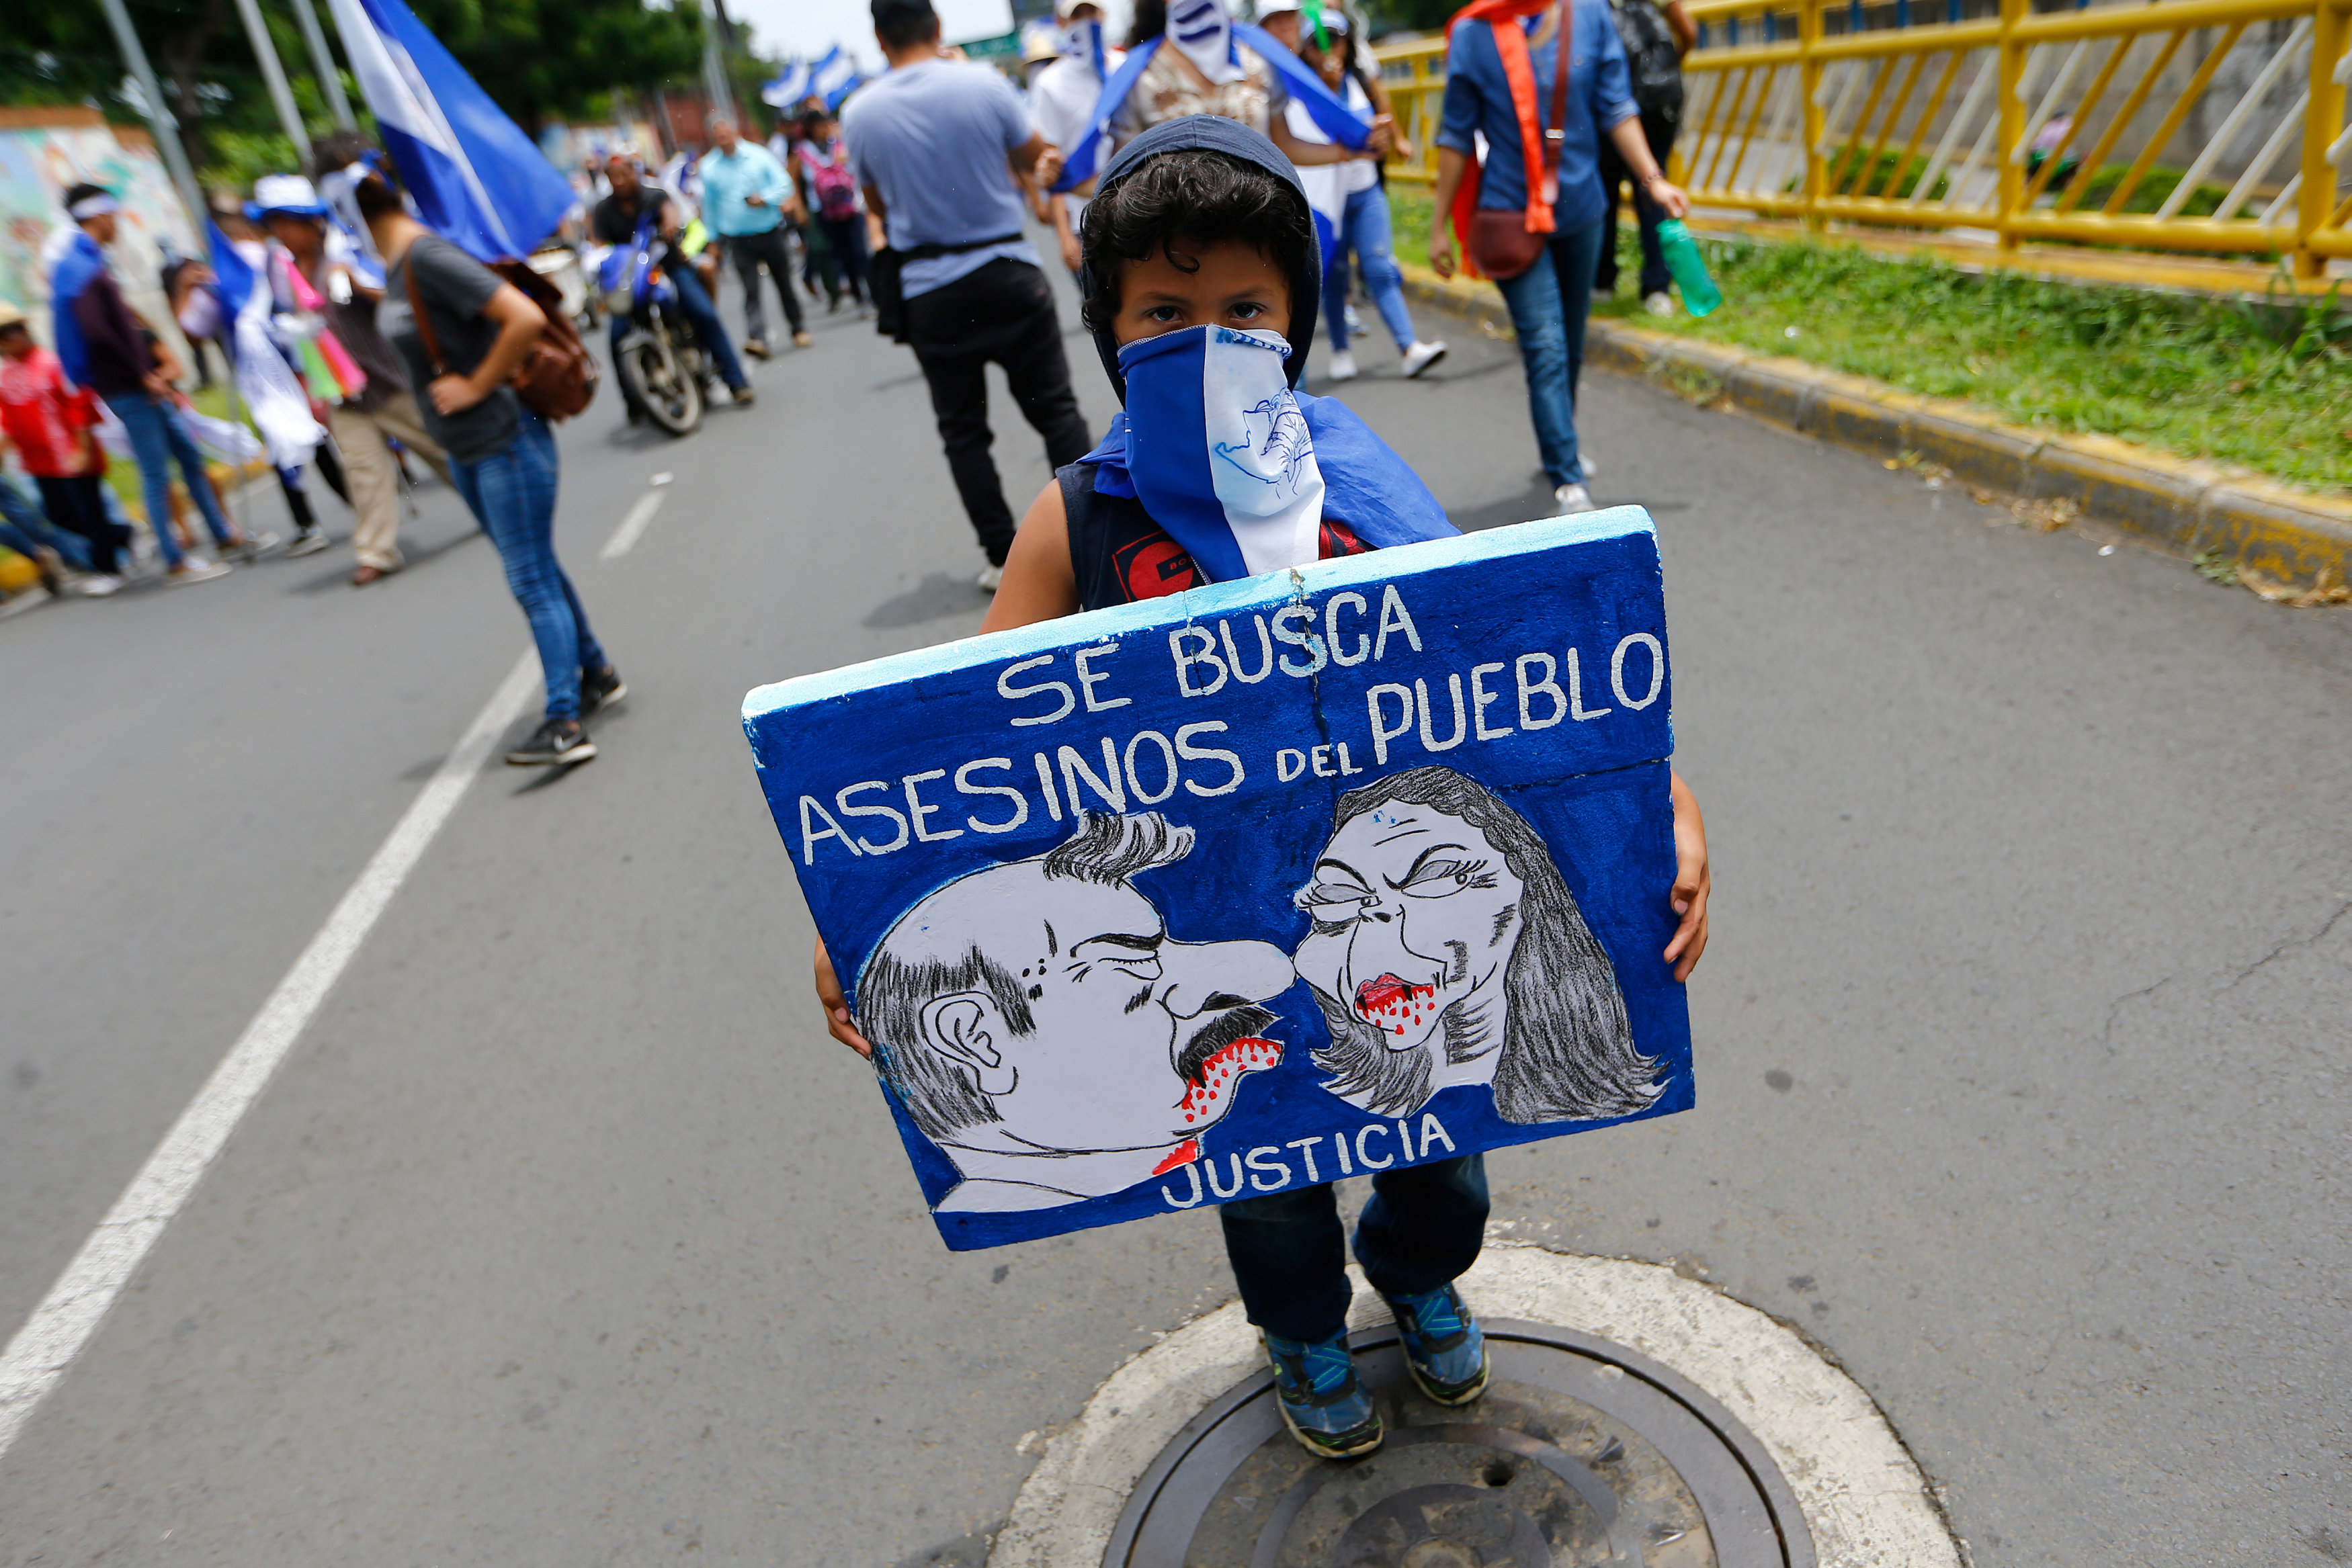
{"x": 2284, "y": 544}
{"x": 1862, "y": 1496}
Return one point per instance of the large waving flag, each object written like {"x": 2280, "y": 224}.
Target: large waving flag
{"x": 834, "y": 77}
{"x": 478, "y": 181}
{"x": 276, "y": 399}
{"x": 1308, "y": 90}
{"x": 788, "y": 90}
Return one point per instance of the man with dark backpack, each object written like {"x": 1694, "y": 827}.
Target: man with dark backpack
{"x": 1656, "y": 35}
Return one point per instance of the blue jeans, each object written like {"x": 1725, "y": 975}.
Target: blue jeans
{"x": 159, "y": 437}
{"x": 513, "y": 493}
{"x": 26, "y": 521}
{"x": 695, "y": 306}
{"x": 1548, "y": 304}
{"x": 1364, "y": 228}
{"x": 1422, "y": 1229}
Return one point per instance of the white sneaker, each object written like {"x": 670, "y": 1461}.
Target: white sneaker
{"x": 1573, "y": 498}
{"x": 1343, "y": 366}
{"x": 1355, "y": 322}
{"x": 991, "y": 578}
{"x": 1584, "y": 461}
{"x": 1659, "y": 304}
{"x": 196, "y": 569}
{"x": 309, "y": 542}
{"x": 98, "y": 585}
{"x": 1420, "y": 357}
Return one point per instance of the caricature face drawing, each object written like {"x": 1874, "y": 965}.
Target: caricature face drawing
{"x": 1273, "y": 459}
{"x": 1446, "y": 950}
{"x": 1416, "y": 915}
{"x": 1043, "y": 1027}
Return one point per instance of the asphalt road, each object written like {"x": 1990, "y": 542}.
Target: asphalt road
{"x": 566, "y": 1237}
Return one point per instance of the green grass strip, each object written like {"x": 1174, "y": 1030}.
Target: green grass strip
{"x": 2265, "y": 383}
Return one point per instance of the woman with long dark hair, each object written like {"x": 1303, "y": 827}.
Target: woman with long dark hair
{"x": 474, "y": 329}
{"x": 1447, "y": 951}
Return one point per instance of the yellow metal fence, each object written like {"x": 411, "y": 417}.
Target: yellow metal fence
{"x": 2212, "y": 126}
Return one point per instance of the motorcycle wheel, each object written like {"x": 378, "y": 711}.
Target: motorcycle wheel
{"x": 672, "y": 399}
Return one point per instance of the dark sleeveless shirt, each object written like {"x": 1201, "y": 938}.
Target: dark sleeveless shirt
{"x": 1119, "y": 555}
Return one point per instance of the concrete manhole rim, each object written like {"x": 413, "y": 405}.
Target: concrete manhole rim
{"x": 1863, "y": 1498}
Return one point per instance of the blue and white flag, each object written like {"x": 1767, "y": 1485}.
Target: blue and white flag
{"x": 477, "y": 179}
{"x": 788, "y": 90}
{"x": 1308, "y": 90}
{"x": 834, "y": 77}
{"x": 273, "y": 394}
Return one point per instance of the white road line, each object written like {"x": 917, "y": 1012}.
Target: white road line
{"x": 625, "y": 538}
{"x": 70, "y": 1313}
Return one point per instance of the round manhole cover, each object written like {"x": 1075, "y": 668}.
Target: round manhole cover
{"x": 1581, "y": 1452}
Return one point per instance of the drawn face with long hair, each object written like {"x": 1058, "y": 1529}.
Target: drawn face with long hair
{"x": 1416, "y": 915}
{"x": 1447, "y": 951}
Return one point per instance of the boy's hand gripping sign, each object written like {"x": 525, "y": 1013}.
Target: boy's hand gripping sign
{"x": 1303, "y": 877}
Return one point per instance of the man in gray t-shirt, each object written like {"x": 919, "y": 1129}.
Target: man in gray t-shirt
{"x": 935, "y": 144}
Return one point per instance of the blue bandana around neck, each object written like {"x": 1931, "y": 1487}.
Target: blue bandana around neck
{"x": 1241, "y": 469}
{"x": 76, "y": 271}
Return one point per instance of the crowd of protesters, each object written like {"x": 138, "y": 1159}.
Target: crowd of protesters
{"x": 912, "y": 206}
{"x": 1216, "y": 188}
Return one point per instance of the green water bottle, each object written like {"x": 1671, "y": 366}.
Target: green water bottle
{"x": 1700, "y": 296}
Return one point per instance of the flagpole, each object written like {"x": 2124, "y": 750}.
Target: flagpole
{"x": 159, "y": 118}
{"x": 331, "y": 80}
{"x": 714, "y": 60}
{"x": 273, "y": 73}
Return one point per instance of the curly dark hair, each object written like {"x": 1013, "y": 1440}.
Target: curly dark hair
{"x": 1191, "y": 196}
{"x": 1149, "y": 21}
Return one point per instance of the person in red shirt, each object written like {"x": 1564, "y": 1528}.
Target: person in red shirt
{"x": 52, "y": 423}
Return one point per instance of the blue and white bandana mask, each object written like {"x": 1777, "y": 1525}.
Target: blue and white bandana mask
{"x": 1203, "y": 31}
{"x": 1083, "y": 40}
{"x": 1218, "y": 450}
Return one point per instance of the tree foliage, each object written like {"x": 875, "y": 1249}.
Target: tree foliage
{"x": 545, "y": 59}
{"x": 539, "y": 59}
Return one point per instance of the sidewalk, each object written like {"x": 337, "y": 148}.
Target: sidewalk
{"x": 2285, "y": 544}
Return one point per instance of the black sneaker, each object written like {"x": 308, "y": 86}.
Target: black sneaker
{"x": 560, "y": 742}
{"x": 600, "y": 690}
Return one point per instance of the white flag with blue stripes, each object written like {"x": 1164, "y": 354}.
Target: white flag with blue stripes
{"x": 834, "y": 77}
{"x": 477, "y": 179}
{"x": 788, "y": 90}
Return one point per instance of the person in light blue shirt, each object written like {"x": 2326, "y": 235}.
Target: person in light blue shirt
{"x": 747, "y": 198}
{"x": 934, "y": 144}
{"x": 1549, "y": 301}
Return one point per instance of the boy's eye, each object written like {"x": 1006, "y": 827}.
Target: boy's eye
{"x": 1248, "y": 310}
{"x": 1163, "y": 313}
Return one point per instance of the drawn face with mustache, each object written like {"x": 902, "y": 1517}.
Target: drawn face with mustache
{"x": 1416, "y": 915}
{"x": 1121, "y": 1038}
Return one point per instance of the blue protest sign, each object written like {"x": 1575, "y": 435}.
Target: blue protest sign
{"x": 1272, "y": 882}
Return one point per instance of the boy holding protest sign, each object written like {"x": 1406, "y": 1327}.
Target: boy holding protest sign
{"x": 1197, "y": 244}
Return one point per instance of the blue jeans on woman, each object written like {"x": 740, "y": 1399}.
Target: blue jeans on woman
{"x": 1364, "y": 228}
{"x": 513, "y": 493}
{"x": 1548, "y": 304}
{"x": 1422, "y": 1229}
{"x": 159, "y": 437}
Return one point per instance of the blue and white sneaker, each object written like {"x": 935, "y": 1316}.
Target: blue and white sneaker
{"x": 1443, "y": 1348}
{"x": 1324, "y": 1403}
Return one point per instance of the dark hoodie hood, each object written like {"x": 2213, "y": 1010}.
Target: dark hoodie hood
{"x": 1229, "y": 136}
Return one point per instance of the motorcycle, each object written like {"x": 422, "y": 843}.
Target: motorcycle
{"x": 662, "y": 364}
